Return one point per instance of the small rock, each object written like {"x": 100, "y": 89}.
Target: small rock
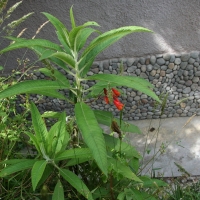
{"x": 185, "y": 57}
{"x": 194, "y": 54}
{"x": 177, "y": 61}
{"x": 187, "y": 90}
{"x": 162, "y": 73}
{"x": 152, "y": 60}
{"x": 149, "y": 68}
{"x": 160, "y": 61}
{"x": 171, "y": 66}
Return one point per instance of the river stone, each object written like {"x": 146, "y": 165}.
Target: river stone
{"x": 142, "y": 60}
{"x": 185, "y": 73}
{"x": 195, "y": 79}
{"x": 162, "y": 73}
{"x": 164, "y": 67}
{"x": 147, "y": 62}
{"x": 183, "y": 65}
{"x": 130, "y": 61}
{"x": 194, "y": 54}
{"x": 185, "y": 57}
{"x": 171, "y": 66}
{"x": 187, "y": 90}
{"x": 137, "y": 71}
{"x": 197, "y": 73}
{"x": 160, "y": 61}
{"x": 167, "y": 56}
{"x": 177, "y": 61}
{"x": 153, "y": 72}
{"x": 152, "y": 60}
{"x": 143, "y": 68}
{"x": 156, "y": 66}
{"x": 172, "y": 59}
{"x": 196, "y": 64}
{"x": 143, "y": 75}
{"x": 191, "y": 60}
{"x": 149, "y": 68}
{"x": 188, "y": 83}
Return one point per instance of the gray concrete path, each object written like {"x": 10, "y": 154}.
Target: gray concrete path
{"x": 173, "y": 140}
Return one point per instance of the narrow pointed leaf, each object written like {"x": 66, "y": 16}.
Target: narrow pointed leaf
{"x": 66, "y": 58}
{"x": 23, "y": 164}
{"x": 40, "y": 129}
{"x": 60, "y": 27}
{"x": 136, "y": 83}
{"x": 102, "y": 42}
{"x": 37, "y": 172}
{"x": 31, "y": 43}
{"x": 33, "y": 86}
{"x": 122, "y": 169}
{"x": 92, "y": 134}
{"x": 58, "y": 137}
{"x": 82, "y": 37}
{"x": 58, "y": 193}
{"x": 34, "y": 140}
{"x": 76, "y": 183}
{"x": 74, "y": 153}
{"x": 72, "y": 18}
{"x": 75, "y": 32}
{"x": 55, "y": 75}
{"x": 103, "y": 117}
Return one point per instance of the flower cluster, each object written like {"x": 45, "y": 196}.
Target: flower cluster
{"x": 115, "y": 95}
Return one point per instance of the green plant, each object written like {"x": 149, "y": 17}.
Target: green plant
{"x": 71, "y": 150}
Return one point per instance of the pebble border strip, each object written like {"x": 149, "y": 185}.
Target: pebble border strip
{"x": 175, "y": 74}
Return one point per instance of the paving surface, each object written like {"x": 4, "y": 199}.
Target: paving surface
{"x": 173, "y": 140}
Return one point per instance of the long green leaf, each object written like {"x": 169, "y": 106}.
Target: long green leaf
{"x": 122, "y": 169}
{"x": 55, "y": 75}
{"x": 31, "y": 43}
{"x": 72, "y": 18}
{"x": 44, "y": 87}
{"x": 74, "y": 153}
{"x": 58, "y": 193}
{"x": 92, "y": 134}
{"x": 37, "y": 172}
{"x": 76, "y": 183}
{"x": 75, "y": 32}
{"x": 34, "y": 140}
{"x": 58, "y": 137}
{"x": 18, "y": 166}
{"x": 62, "y": 31}
{"x": 66, "y": 58}
{"x": 40, "y": 129}
{"x": 82, "y": 37}
{"x": 136, "y": 83}
{"x": 113, "y": 143}
{"x": 103, "y": 117}
{"x": 102, "y": 42}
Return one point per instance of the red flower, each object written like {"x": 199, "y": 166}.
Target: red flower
{"x": 115, "y": 92}
{"x": 106, "y": 99}
{"x": 118, "y": 104}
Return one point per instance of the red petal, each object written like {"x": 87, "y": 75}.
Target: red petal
{"x": 115, "y": 92}
{"x": 106, "y": 99}
{"x": 118, "y": 104}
